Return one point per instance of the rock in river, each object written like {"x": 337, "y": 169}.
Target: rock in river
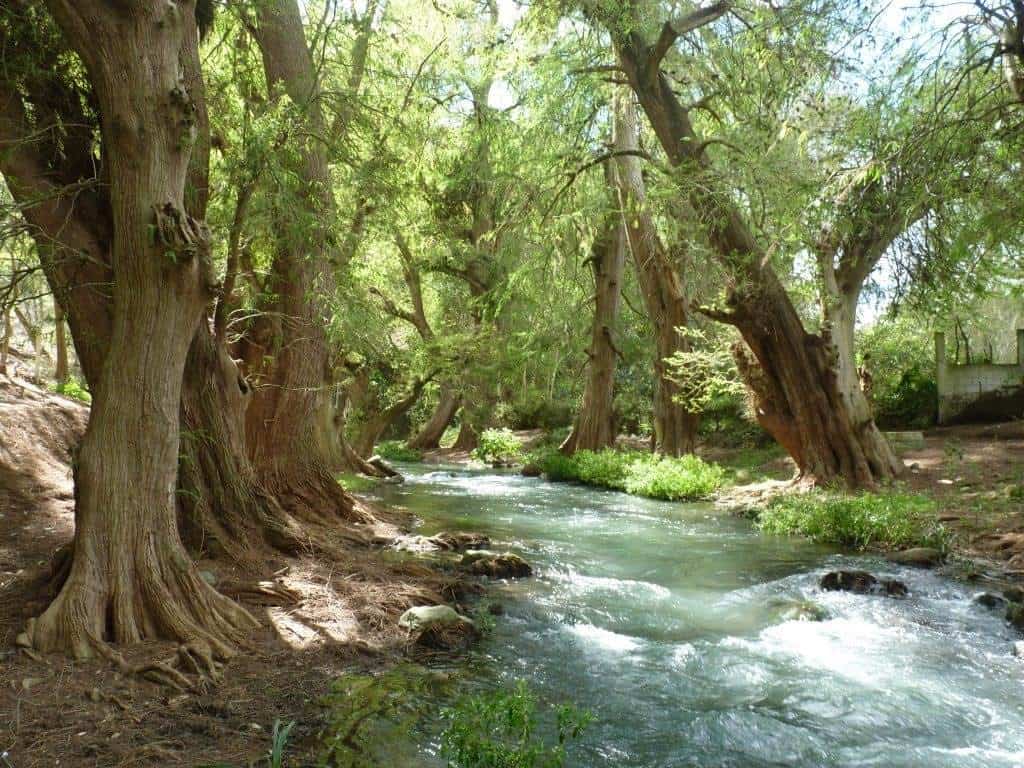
{"x": 493, "y": 565}
{"x": 922, "y": 557}
{"x": 990, "y": 601}
{"x": 862, "y": 582}
{"x": 438, "y": 627}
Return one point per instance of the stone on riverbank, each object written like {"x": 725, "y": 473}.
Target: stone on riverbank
{"x": 438, "y": 627}
{"x": 863, "y": 583}
{"x": 448, "y": 541}
{"x": 990, "y": 601}
{"x": 1015, "y": 615}
{"x": 493, "y": 565}
{"x": 921, "y": 557}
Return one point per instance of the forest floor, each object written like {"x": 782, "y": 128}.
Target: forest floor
{"x": 57, "y": 712}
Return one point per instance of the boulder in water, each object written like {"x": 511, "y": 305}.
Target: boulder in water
{"x": 1014, "y": 594}
{"x": 438, "y": 627}
{"x": 1015, "y": 615}
{"x": 1018, "y": 649}
{"x": 921, "y": 557}
{"x": 863, "y": 583}
{"x": 531, "y": 470}
{"x": 460, "y": 541}
{"x": 990, "y": 601}
{"x": 493, "y": 565}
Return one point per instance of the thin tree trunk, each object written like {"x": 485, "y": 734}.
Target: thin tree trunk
{"x": 377, "y": 423}
{"x": 594, "y": 427}
{"x": 429, "y": 436}
{"x": 5, "y": 341}
{"x": 60, "y": 339}
{"x": 130, "y": 578}
{"x": 675, "y": 428}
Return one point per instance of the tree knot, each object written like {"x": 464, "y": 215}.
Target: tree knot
{"x": 184, "y": 239}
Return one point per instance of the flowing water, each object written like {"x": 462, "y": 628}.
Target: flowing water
{"x": 673, "y": 624}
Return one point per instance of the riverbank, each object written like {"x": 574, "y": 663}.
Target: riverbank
{"x": 320, "y": 618}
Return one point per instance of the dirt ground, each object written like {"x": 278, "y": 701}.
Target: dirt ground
{"x": 54, "y": 712}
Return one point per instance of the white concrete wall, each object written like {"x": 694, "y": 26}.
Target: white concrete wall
{"x": 963, "y": 386}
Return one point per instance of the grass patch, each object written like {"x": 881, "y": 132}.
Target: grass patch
{"x": 354, "y": 483}
{"x": 887, "y": 520}
{"x": 73, "y": 388}
{"x": 396, "y": 450}
{"x": 498, "y": 446}
{"x": 641, "y": 474}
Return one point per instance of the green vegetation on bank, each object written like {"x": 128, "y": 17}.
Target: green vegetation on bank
{"x": 396, "y": 450}
{"x": 356, "y": 483}
{"x": 73, "y": 388}
{"x": 888, "y": 520}
{"x": 497, "y": 446}
{"x": 641, "y": 474}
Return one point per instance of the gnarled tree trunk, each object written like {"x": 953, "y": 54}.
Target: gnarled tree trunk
{"x": 675, "y": 428}
{"x": 594, "y": 427}
{"x": 430, "y": 434}
{"x": 130, "y": 578}
{"x": 795, "y": 378}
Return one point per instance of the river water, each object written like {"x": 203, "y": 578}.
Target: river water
{"x": 674, "y": 625}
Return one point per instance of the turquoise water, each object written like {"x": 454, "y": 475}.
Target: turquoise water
{"x": 670, "y": 623}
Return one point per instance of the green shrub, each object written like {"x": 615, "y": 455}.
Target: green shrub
{"x": 641, "y": 474}
{"x": 503, "y": 730}
{"x": 354, "y": 483}
{"x": 396, "y": 450}
{"x": 73, "y": 388}
{"x": 497, "y": 446}
{"x": 891, "y": 520}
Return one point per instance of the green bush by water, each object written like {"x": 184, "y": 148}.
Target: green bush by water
{"x": 396, "y": 450}
{"x": 888, "y": 520}
{"x": 497, "y": 445}
{"x": 641, "y": 474}
{"x": 503, "y": 730}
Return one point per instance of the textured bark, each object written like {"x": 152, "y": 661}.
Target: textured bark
{"x": 429, "y": 436}
{"x": 795, "y": 377}
{"x": 675, "y": 428}
{"x": 130, "y": 578}
{"x": 468, "y": 438}
{"x": 285, "y": 349}
{"x": 61, "y": 343}
{"x": 594, "y": 427}
{"x": 377, "y": 422}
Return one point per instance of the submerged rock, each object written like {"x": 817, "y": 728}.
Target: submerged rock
{"x": 494, "y": 565}
{"x": 990, "y": 601}
{"x": 862, "y": 582}
{"x": 922, "y": 557}
{"x": 798, "y": 610}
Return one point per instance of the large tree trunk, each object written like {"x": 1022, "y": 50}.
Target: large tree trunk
{"x": 130, "y": 578}
{"x": 675, "y": 428}
{"x": 286, "y": 349}
{"x": 468, "y": 438}
{"x": 795, "y": 379}
{"x": 429, "y": 436}
{"x": 594, "y": 427}
{"x": 839, "y": 311}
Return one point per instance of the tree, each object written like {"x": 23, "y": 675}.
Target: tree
{"x": 130, "y": 578}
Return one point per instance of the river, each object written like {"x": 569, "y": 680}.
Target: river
{"x": 672, "y": 624}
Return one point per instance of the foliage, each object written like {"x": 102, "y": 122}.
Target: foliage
{"x": 497, "y": 446}
{"x": 888, "y": 519}
{"x": 503, "y": 730}
{"x": 354, "y": 483}
{"x": 641, "y": 474}
{"x": 279, "y": 739}
{"x": 898, "y": 353}
{"x": 369, "y": 713}
{"x": 396, "y": 450}
{"x": 73, "y": 388}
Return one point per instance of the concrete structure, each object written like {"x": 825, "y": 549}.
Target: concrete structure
{"x": 983, "y": 392}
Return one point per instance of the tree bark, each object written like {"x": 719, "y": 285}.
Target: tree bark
{"x": 130, "y": 578}
{"x": 795, "y": 377}
{"x": 376, "y": 423}
{"x": 429, "y": 436}
{"x": 286, "y": 347}
{"x": 468, "y": 439}
{"x": 60, "y": 340}
{"x": 675, "y": 428}
{"x": 594, "y": 427}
